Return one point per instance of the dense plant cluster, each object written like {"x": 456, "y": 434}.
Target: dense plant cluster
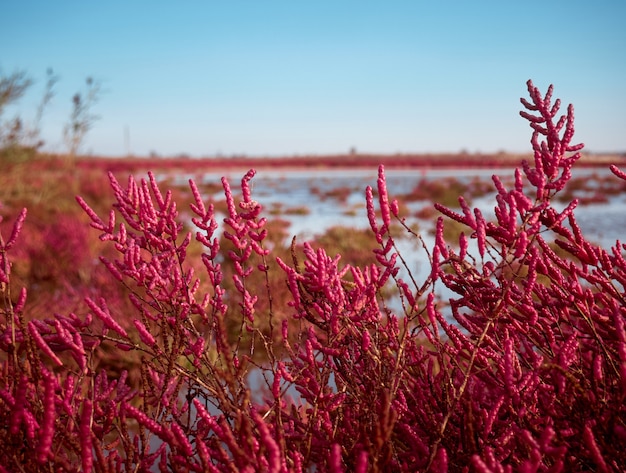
{"x": 524, "y": 369}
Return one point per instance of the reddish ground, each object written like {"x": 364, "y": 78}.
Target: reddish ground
{"x": 331, "y": 161}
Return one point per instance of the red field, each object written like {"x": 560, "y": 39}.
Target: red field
{"x": 370, "y": 161}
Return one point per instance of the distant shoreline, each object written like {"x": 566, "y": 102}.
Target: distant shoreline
{"x": 345, "y": 161}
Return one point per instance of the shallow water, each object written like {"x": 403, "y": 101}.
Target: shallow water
{"x": 282, "y": 190}
{"x": 602, "y": 223}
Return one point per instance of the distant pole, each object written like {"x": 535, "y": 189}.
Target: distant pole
{"x": 127, "y": 139}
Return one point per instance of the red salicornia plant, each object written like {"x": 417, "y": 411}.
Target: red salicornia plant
{"x": 523, "y": 369}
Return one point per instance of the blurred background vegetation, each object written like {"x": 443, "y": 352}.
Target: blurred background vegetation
{"x": 20, "y": 140}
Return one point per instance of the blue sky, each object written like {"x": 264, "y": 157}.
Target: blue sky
{"x": 294, "y": 77}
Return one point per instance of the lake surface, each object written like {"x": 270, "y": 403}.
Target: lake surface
{"x": 337, "y": 198}
{"x": 285, "y": 190}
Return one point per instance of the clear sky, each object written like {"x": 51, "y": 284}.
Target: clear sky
{"x": 269, "y": 77}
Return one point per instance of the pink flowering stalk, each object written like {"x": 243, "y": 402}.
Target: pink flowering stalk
{"x": 530, "y": 324}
